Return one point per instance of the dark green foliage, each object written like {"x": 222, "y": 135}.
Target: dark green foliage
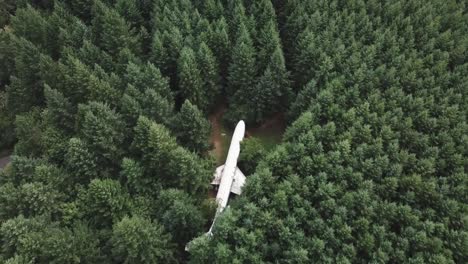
{"x": 148, "y": 77}
{"x": 25, "y": 90}
{"x": 108, "y": 104}
{"x": 190, "y": 79}
{"x": 7, "y": 58}
{"x": 174, "y": 165}
{"x": 102, "y": 130}
{"x": 209, "y": 71}
{"x": 111, "y": 31}
{"x": 37, "y": 240}
{"x": 28, "y": 131}
{"x": 179, "y": 215}
{"x": 191, "y": 128}
{"x": 251, "y": 154}
{"x": 81, "y": 8}
{"x": 6, "y": 9}
{"x": 59, "y": 111}
{"x": 242, "y": 68}
{"x": 138, "y": 240}
{"x": 80, "y": 161}
{"x": 103, "y": 202}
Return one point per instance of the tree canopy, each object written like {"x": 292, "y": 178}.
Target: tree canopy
{"x": 106, "y": 107}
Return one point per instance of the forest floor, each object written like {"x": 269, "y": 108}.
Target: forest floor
{"x": 269, "y": 133}
{"x": 4, "y": 158}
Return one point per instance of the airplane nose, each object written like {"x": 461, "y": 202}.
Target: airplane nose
{"x": 241, "y": 124}
{"x": 239, "y": 131}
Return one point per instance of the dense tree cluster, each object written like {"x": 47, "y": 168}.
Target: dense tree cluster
{"x": 106, "y": 105}
{"x": 373, "y": 169}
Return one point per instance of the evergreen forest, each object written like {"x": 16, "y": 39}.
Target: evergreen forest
{"x": 105, "y": 106}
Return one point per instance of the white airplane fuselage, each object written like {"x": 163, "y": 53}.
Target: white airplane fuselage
{"x": 228, "y": 176}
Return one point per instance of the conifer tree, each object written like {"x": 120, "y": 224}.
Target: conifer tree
{"x": 209, "y": 70}
{"x": 25, "y": 90}
{"x": 77, "y": 80}
{"x": 60, "y": 112}
{"x": 148, "y": 77}
{"x": 191, "y": 128}
{"x": 128, "y": 9}
{"x": 179, "y": 215}
{"x": 81, "y": 8}
{"x": 303, "y": 99}
{"x": 28, "y": 130}
{"x": 219, "y": 42}
{"x": 104, "y": 202}
{"x": 138, "y": 240}
{"x": 111, "y": 32}
{"x": 79, "y": 160}
{"x": 190, "y": 79}
{"x": 242, "y": 69}
{"x": 30, "y": 25}
{"x": 268, "y": 41}
{"x": 165, "y": 50}
{"x": 103, "y": 131}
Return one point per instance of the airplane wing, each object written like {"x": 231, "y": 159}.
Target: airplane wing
{"x": 217, "y": 175}
{"x": 238, "y": 182}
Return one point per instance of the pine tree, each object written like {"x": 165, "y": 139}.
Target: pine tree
{"x": 268, "y": 42}
{"x": 242, "y": 69}
{"x": 111, "y": 32}
{"x": 7, "y": 60}
{"x": 190, "y": 79}
{"x": 77, "y": 80}
{"x": 60, "y": 112}
{"x": 148, "y": 77}
{"x": 30, "y": 25}
{"x": 219, "y": 42}
{"x": 213, "y": 9}
{"x": 81, "y": 8}
{"x": 6, "y": 8}
{"x": 81, "y": 163}
{"x": 104, "y": 202}
{"x": 280, "y": 78}
{"x": 179, "y": 215}
{"x": 91, "y": 54}
{"x": 165, "y": 50}
{"x": 209, "y": 69}
{"x": 303, "y": 100}
{"x": 157, "y": 107}
{"x": 191, "y": 128}
{"x": 25, "y": 89}
{"x": 263, "y": 99}
{"x": 138, "y": 240}
{"x": 128, "y": 9}
{"x": 264, "y": 12}
{"x": 28, "y": 130}
{"x": 103, "y": 131}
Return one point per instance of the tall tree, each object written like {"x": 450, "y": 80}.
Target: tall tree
{"x": 111, "y": 32}
{"x": 103, "y": 131}
{"x": 104, "y": 202}
{"x": 242, "y": 69}
{"x": 209, "y": 69}
{"x": 268, "y": 41}
{"x": 80, "y": 161}
{"x": 25, "y": 89}
{"x": 191, "y": 128}
{"x": 138, "y": 240}
{"x": 190, "y": 79}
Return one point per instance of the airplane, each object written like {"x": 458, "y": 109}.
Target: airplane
{"x": 229, "y": 177}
